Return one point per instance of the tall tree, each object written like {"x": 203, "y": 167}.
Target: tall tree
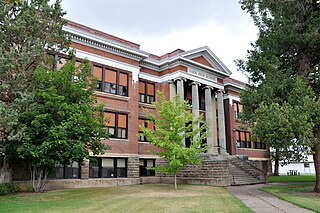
{"x": 283, "y": 69}
{"x": 174, "y": 122}
{"x": 64, "y": 123}
{"x": 28, "y": 29}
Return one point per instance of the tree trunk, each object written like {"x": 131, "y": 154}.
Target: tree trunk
{"x": 276, "y": 168}
{"x": 316, "y": 159}
{"x": 39, "y": 178}
{"x": 175, "y": 182}
{"x": 276, "y": 164}
{"x": 5, "y": 171}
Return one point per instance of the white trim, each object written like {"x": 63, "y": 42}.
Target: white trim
{"x": 103, "y": 41}
{"x": 209, "y": 51}
{"x": 238, "y": 86}
{"x": 170, "y": 60}
{"x": 258, "y": 159}
{"x": 232, "y": 98}
{"x": 179, "y": 74}
{"x": 109, "y": 62}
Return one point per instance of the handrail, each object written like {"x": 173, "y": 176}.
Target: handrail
{"x": 260, "y": 170}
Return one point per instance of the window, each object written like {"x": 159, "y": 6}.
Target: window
{"x": 146, "y": 92}
{"x": 97, "y": 72}
{"x": 259, "y": 145}
{"x": 107, "y": 168}
{"x": 64, "y": 171}
{"x": 243, "y": 139}
{"x": 117, "y": 125}
{"x": 144, "y": 164}
{"x": 238, "y": 108}
{"x": 111, "y": 81}
{"x": 145, "y": 123}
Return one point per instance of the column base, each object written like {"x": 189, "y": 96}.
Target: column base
{"x": 223, "y": 152}
{"x": 213, "y": 150}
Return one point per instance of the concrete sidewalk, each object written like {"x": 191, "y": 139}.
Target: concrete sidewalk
{"x": 262, "y": 202}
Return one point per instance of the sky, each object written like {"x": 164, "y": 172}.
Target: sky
{"x": 161, "y": 26}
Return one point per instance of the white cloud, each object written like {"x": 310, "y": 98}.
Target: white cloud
{"x": 163, "y": 26}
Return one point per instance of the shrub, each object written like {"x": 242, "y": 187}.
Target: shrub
{"x": 6, "y": 188}
{"x": 23, "y": 188}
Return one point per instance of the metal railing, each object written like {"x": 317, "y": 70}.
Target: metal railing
{"x": 264, "y": 173}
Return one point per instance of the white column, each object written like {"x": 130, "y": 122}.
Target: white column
{"x": 214, "y": 124}
{"x": 195, "y": 103}
{"x": 209, "y": 119}
{"x": 221, "y": 121}
{"x": 180, "y": 88}
{"x": 180, "y": 91}
{"x": 173, "y": 89}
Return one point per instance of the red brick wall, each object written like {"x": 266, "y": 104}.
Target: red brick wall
{"x": 104, "y": 35}
{"x": 104, "y": 54}
{"x": 231, "y": 126}
{"x": 202, "y": 60}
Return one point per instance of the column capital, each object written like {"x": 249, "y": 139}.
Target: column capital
{"x": 195, "y": 83}
{"x": 208, "y": 87}
{"x": 221, "y": 91}
{"x": 180, "y": 79}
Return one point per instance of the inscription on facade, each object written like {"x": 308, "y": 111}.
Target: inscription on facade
{"x": 202, "y": 74}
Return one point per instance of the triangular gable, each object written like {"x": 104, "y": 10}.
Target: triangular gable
{"x": 202, "y": 60}
{"x": 205, "y": 56}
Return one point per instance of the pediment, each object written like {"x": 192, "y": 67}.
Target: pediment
{"x": 206, "y": 57}
{"x": 202, "y": 60}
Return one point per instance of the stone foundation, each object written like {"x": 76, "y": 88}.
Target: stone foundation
{"x": 89, "y": 183}
{"x": 215, "y": 170}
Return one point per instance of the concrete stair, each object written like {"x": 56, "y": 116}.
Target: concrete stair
{"x": 243, "y": 172}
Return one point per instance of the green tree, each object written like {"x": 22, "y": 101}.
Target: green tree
{"x": 283, "y": 69}
{"x": 64, "y": 124}
{"x": 173, "y": 123}
{"x": 28, "y": 30}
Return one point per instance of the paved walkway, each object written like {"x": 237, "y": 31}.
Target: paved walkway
{"x": 262, "y": 202}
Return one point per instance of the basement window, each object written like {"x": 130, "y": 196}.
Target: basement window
{"x": 107, "y": 167}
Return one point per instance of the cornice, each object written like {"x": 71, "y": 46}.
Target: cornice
{"x": 180, "y": 74}
{"x": 234, "y": 86}
{"x": 105, "y": 45}
{"x": 169, "y": 62}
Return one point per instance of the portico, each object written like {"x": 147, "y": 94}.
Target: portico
{"x": 213, "y": 97}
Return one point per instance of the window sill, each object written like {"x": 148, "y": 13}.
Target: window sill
{"x": 261, "y": 150}
{"x": 118, "y": 139}
{"x": 108, "y": 178}
{"x": 244, "y": 148}
{"x": 113, "y": 96}
{"x": 143, "y": 142}
{"x": 146, "y": 105}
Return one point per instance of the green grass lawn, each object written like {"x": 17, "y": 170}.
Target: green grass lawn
{"x": 286, "y": 178}
{"x": 135, "y": 198}
{"x": 302, "y": 195}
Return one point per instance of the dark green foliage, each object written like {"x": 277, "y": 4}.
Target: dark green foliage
{"x": 28, "y": 30}
{"x": 6, "y": 188}
{"x": 64, "y": 124}
{"x": 282, "y": 102}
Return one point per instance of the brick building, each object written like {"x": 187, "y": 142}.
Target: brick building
{"x": 128, "y": 79}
